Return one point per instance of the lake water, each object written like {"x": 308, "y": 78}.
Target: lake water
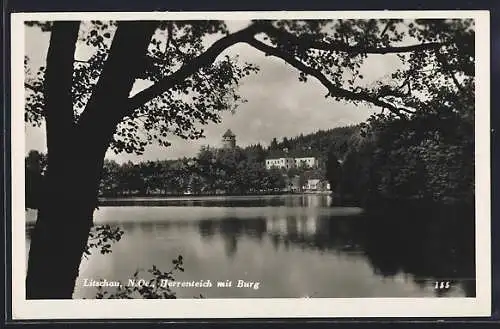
{"x": 293, "y": 246}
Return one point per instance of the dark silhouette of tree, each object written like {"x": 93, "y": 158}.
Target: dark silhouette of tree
{"x": 285, "y": 143}
{"x": 274, "y": 145}
{"x": 333, "y": 171}
{"x": 34, "y": 178}
{"x": 88, "y": 106}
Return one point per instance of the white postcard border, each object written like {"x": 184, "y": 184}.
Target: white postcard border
{"x": 255, "y": 308}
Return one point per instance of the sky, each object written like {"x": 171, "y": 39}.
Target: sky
{"x": 278, "y": 104}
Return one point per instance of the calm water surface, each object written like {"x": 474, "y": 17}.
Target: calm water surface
{"x": 294, "y": 246}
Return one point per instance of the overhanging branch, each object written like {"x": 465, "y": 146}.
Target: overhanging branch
{"x": 455, "y": 81}
{"x": 247, "y": 35}
{"x": 33, "y": 88}
{"x": 205, "y": 59}
{"x": 389, "y": 23}
{"x": 340, "y": 46}
{"x": 332, "y": 88}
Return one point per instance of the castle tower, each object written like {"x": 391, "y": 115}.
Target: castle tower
{"x": 229, "y": 139}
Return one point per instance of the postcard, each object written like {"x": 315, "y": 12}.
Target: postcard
{"x": 186, "y": 165}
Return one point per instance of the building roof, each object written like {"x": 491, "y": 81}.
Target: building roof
{"x": 277, "y": 154}
{"x": 229, "y": 133}
{"x": 278, "y": 157}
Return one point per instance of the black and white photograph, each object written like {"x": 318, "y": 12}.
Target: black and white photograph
{"x": 336, "y": 163}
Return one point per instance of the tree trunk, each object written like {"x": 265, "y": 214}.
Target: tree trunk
{"x": 45, "y": 278}
{"x": 76, "y": 154}
{"x": 61, "y": 232}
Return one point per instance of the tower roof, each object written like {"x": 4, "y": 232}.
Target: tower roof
{"x": 229, "y": 133}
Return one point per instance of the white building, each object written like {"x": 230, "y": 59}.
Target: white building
{"x": 310, "y": 162}
{"x": 289, "y": 162}
{"x": 280, "y": 163}
{"x": 312, "y": 184}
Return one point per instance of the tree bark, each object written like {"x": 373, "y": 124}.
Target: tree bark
{"x": 61, "y": 232}
{"x": 45, "y": 278}
{"x": 76, "y": 154}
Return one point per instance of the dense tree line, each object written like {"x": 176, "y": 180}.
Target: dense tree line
{"x": 228, "y": 171}
{"x": 319, "y": 143}
{"x": 213, "y": 170}
{"x": 429, "y": 157}
{"x": 425, "y": 155}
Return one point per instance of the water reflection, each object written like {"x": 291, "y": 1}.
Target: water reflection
{"x": 292, "y": 200}
{"x": 419, "y": 245}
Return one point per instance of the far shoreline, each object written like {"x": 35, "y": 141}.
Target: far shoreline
{"x": 189, "y": 196}
{"x": 129, "y": 199}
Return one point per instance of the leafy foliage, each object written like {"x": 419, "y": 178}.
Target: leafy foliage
{"x": 435, "y": 78}
{"x": 101, "y": 237}
{"x": 153, "y": 288}
{"x": 332, "y": 51}
{"x": 213, "y": 171}
{"x": 427, "y": 154}
{"x": 194, "y": 101}
{"x": 199, "y": 99}
{"x": 342, "y": 68}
